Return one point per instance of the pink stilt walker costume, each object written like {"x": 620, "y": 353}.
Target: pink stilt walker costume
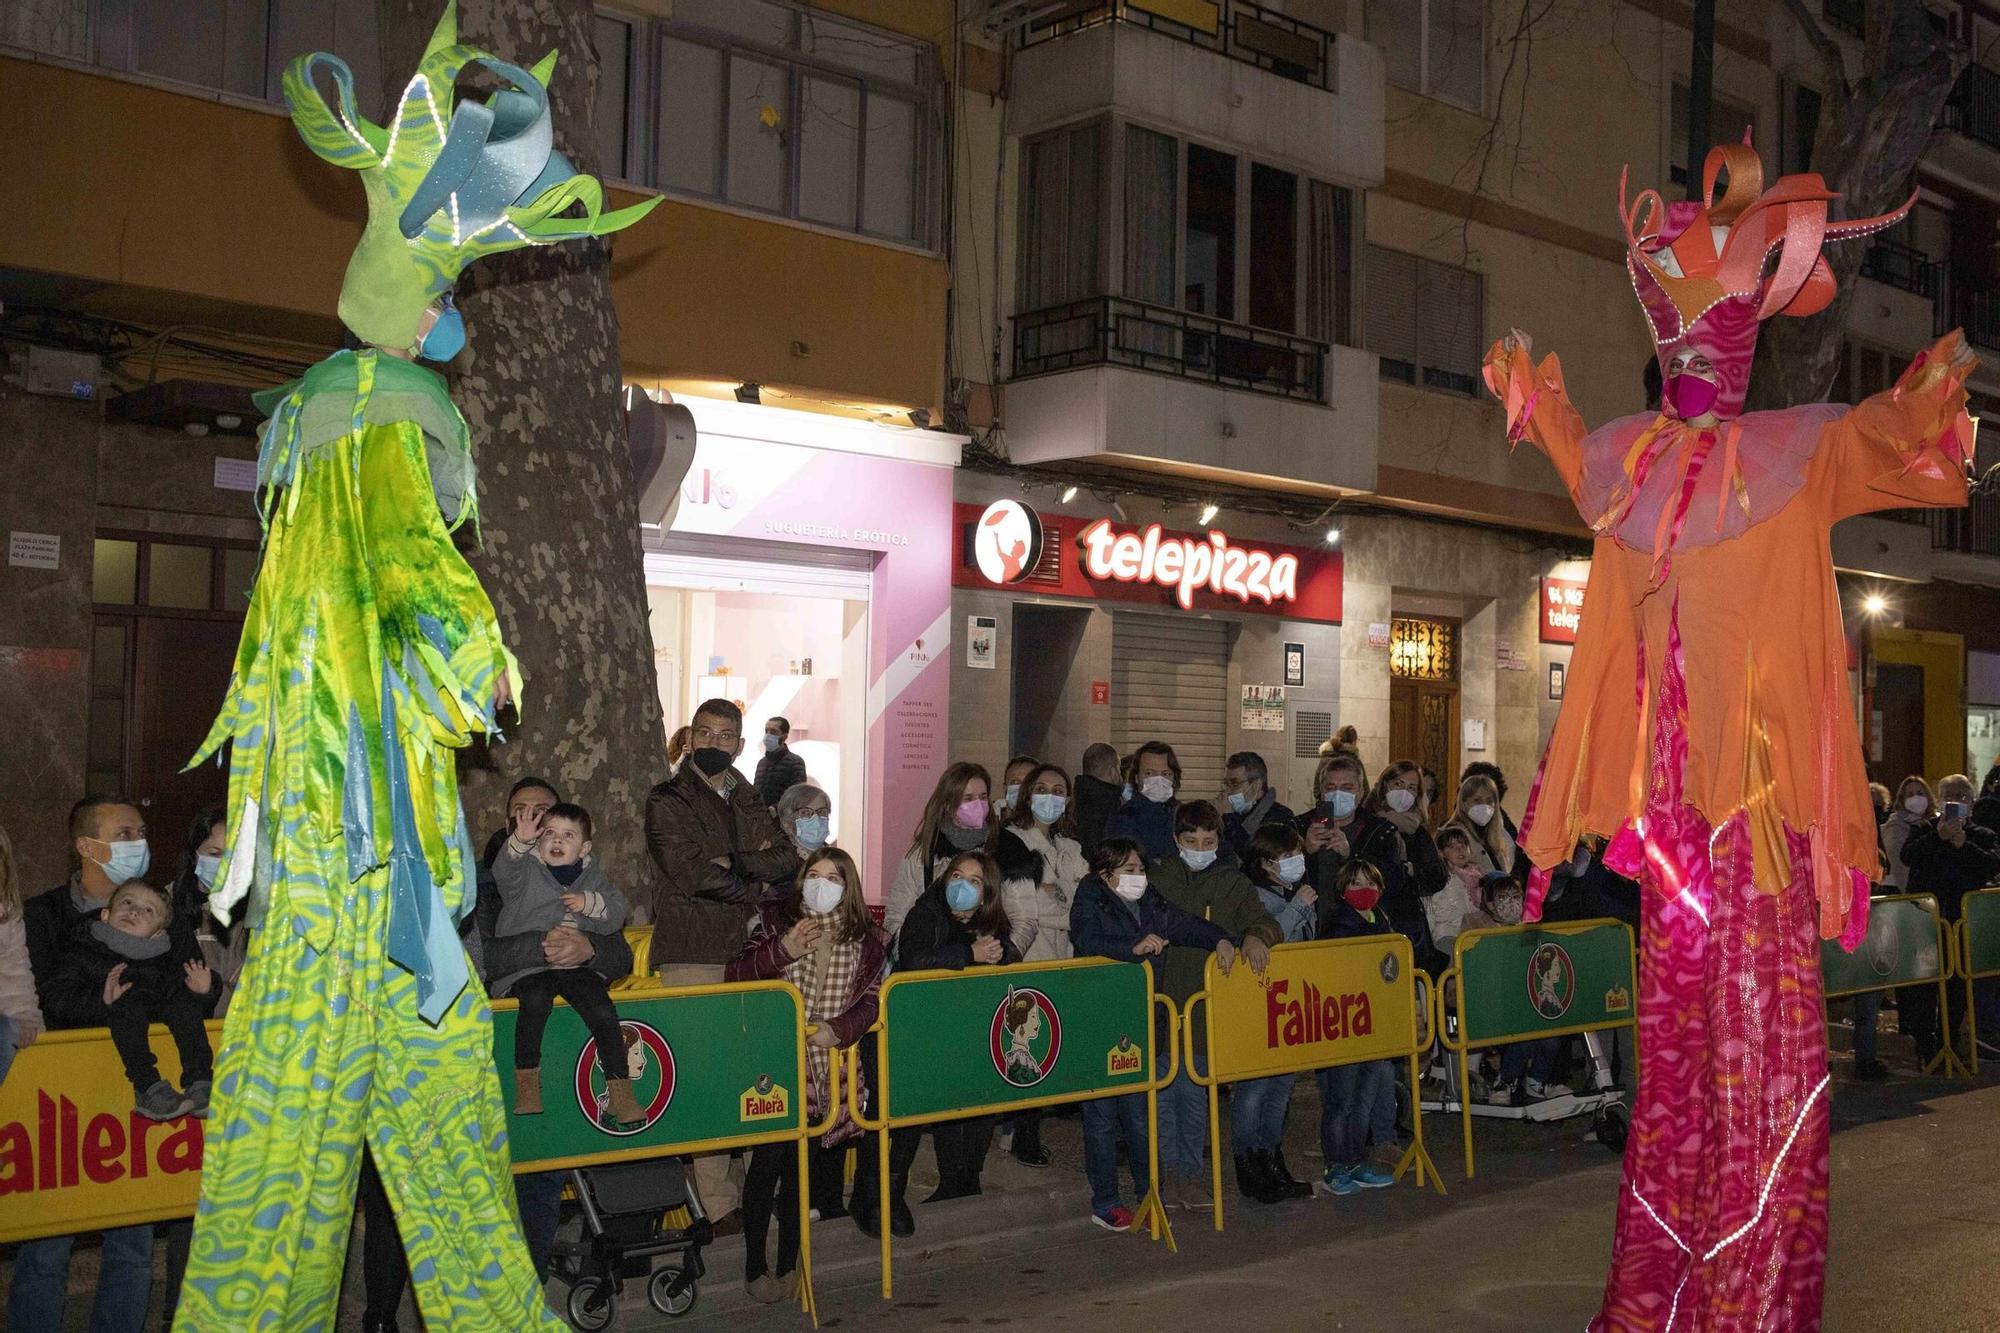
{"x": 1706, "y": 731}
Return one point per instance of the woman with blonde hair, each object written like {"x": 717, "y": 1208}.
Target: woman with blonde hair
{"x": 1478, "y": 813}
{"x": 20, "y": 1009}
{"x": 1913, "y": 808}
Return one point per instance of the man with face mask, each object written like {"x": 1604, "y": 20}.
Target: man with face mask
{"x": 1248, "y": 802}
{"x": 1147, "y": 816}
{"x": 778, "y": 769}
{"x": 108, "y": 845}
{"x": 717, "y": 849}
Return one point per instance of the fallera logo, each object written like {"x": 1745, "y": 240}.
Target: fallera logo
{"x": 1026, "y": 1037}
{"x": 649, "y": 1061}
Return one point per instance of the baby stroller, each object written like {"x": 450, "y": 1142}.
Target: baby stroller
{"x": 624, "y": 1227}
{"x": 1603, "y": 1100}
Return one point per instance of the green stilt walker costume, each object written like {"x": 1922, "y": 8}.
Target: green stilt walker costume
{"x": 369, "y": 654}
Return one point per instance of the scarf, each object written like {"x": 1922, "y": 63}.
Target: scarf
{"x": 129, "y": 946}
{"x": 567, "y": 875}
{"x": 961, "y": 838}
{"x": 828, "y": 978}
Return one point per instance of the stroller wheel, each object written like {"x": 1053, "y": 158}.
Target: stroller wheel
{"x": 1613, "y": 1123}
{"x": 593, "y": 1304}
{"x": 671, "y": 1291}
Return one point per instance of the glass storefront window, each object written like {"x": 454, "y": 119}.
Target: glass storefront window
{"x": 178, "y": 576}
{"x": 1982, "y": 738}
{"x": 114, "y": 572}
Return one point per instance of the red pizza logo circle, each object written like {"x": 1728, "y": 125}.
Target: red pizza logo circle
{"x": 650, "y": 1062}
{"x": 1026, "y": 1037}
{"x": 1007, "y": 541}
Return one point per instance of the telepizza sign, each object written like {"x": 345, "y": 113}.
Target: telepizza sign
{"x": 1562, "y": 609}
{"x": 1003, "y": 546}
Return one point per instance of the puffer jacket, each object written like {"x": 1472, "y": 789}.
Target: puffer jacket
{"x": 1060, "y": 869}
{"x": 701, "y": 910}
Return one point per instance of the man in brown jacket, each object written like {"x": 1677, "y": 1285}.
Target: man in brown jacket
{"x": 717, "y": 848}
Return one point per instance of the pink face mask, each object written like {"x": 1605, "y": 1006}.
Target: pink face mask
{"x": 1690, "y": 395}
{"x": 971, "y": 814}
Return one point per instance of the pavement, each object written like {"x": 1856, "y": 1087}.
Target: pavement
{"x": 1915, "y": 1238}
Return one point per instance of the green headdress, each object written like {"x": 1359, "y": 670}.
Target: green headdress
{"x": 446, "y": 183}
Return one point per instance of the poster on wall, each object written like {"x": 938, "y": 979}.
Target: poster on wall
{"x": 1263, "y": 708}
{"x": 982, "y": 637}
{"x": 1295, "y": 664}
{"x": 1557, "y": 671}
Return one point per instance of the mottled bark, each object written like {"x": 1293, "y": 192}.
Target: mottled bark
{"x": 539, "y": 384}
{"x": 1873, "y": 128}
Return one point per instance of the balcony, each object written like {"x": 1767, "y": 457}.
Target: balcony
{"x": 1974, "y": 107}
{"x": 1904, "y": 267}
{"x": 1978, "y": 313}
{"x": 1111, "y": 330}
{"x": 1288, "y": 47}
{"x": 1234, "y": 74}
{"x": 1973, "y": 530}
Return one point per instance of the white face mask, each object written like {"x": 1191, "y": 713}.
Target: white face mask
{"x": 1481, "y": 815}
{"x": 1198, "y": 861}
{"x": 1917, "y": 804}
{"x": 822, "y": 895}
{"x": 1400, "y": 799}
{"x": 1013, "y": 795}
{"x": 1158, "y": 787}
{"x": 1130, "y": 886}
{"x": 1292, "y": 869}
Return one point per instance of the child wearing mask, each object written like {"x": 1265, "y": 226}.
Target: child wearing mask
{"x": 817, "y": 935}
{"x": 1504, "y": 896}
{"x": 548, "y": 878}
{"x": 120, "y": 973}
{"x": 1357, "y": 1103}
{"x": 1275, "y": 860}
{"x": 1194, "y": 880}
{"x": 1118, "y": 914}
{"x": 1447, "y": 909}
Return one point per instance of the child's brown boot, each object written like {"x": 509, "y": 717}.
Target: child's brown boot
{"x": 528, "y": 1091}
{"x": 624, "y": 1107}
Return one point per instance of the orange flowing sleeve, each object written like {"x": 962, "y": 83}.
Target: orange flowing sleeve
{"x": 1908, "y": 446}
{"x": 1538, "y": 407}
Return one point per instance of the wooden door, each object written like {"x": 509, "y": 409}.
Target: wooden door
{"x": 181, "y": 672}
{"x": 1423, "y": 725}
{"x": 1899, "y": 713}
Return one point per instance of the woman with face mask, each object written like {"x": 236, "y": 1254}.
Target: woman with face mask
{"x": 1119, "y": 915}
{"x": 959, "y": 922}
{"x": 221, "y": 947}
{"x": 805, "y": 813}
{"x": 1478, "y": 813}
{"x": 1380, "y": 825}
{"x": 815, "y": 933}
{"x": 1040, "y": 865}
{"x": 1275, "y": 861}
{"x": 958, "y": 817}
{"x": 1913, "y": 808}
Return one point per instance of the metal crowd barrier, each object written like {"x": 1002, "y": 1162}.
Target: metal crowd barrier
{"x": 1317, "y": 1005}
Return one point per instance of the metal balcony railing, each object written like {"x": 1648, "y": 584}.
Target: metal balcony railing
{"x": 1110, "y": 330}
{"x": 1288, "y": 47}
{"x": 1973, "y": 530}
{"x": 1974, "y": 106}
{"x": 1978, "y": 314}
{"x": 1904, "y": 266}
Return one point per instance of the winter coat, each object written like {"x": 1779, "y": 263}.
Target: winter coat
{"x": 702, "y": 911}
{"x": 1148, "y": 823}
{"x": 1410, "y": 865}
{"x": 1445, "y": 909}
{"x": 1338, "y": 921}
{"x": 1094, "y": 799}
{"x": 18, "y": 1000}
{"x": 932, "y": 937}
{"x": 1220, "y": 895}
{"x": 1897, "y": 830}
{"x": 1018, "y": 886}
{"x": 1948, "y": 873}
{"x": 777, "y": 773}
{"x": 1299, "y": 921}
{"x": 763, "y": 959}
{"x": 54, "y": 919}
{"x": 224, "y": 949}
{"x": 531, "y": 905}
{"x": 1237, "y": 830}
{"x": 1060, "y": 867}
{"x": 73, "y": 987}
{"x": 1103, "y": 925}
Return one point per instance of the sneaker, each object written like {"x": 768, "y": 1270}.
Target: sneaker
{"x": 197, "y": 1096}
{"x": 1369, "y": 1176}
{"x": 765, "y": 1289}
{"x": 1115, "y": 1218}
{"x": 1498, "y": 1094}
{"x": 161, "y": 1102}
{"x": 1539, "y": 1091}
{"x": 1339, "y": 1180}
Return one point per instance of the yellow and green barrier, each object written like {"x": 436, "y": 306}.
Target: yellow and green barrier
{"x": 1977, "y": 935}
{"x": 1316, "y": 1005}
{"x": 1906, "y": 945}
{"x": 993, "y": 1040}
{"x": 1526, "y": 983}
{"x": 716, "y": 1068}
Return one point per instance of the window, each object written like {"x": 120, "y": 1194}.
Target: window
{"x": 1062, "y": 217}
{"x": 1209, "y": 233}
{"x": 1727, "y": 123}
{"x": 1800, "y": 110}
{"x": 775, "y": 108}
{"x": 1433, "y": 47}
{"x": 1425, "y": 320}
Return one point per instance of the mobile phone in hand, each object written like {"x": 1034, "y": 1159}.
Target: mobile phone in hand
{"x": 1955, "y": 810}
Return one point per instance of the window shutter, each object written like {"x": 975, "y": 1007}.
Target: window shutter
{"x": 1392, "y": 304}
{"x": 1449, "y": 325}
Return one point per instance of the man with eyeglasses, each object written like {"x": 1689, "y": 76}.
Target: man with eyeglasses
{"x": 717, "y": 848}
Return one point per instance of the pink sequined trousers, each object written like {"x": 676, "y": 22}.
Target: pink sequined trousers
{"x": 1722, "y": 1212}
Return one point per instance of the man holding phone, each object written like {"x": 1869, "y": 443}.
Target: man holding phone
{"x": 1949, "y": 859}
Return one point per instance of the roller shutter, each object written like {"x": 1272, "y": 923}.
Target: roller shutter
{"x": 1170, "y": 682}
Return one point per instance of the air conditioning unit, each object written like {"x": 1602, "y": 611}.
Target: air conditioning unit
{"x": 60, "y": 374}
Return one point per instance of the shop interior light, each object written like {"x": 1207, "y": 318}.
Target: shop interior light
{"x": 1874, "y": 604}
{"x": 1208, "y": 513}
{"x": 1333, "y": 536}
{"x": 1069, "y": 493}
